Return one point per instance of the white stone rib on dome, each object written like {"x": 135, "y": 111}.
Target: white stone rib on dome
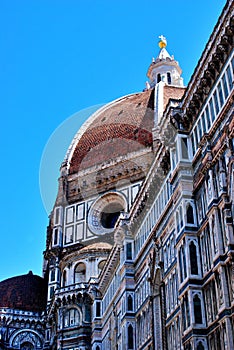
{"x": 86, "y": 125}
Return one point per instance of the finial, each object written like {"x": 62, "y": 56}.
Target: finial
{"x": 147, "y": 85}
{"x": 162, "y": 42}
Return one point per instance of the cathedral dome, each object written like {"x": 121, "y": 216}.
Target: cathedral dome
{"x": 25, "y": 292}
{"x": 117, "y": 129}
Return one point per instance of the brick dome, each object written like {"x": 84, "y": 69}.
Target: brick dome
{"x": 26, "y": 292}
{"x": 117, "y": 129}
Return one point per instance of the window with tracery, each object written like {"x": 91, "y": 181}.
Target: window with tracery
{"x": 71, "y": 318}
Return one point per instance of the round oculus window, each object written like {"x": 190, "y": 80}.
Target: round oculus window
{"x": 105, "y": 212}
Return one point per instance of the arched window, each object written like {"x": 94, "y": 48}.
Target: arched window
{"x": 200, "y": 346}
{"x": 80, "y": 272}
{"x": 197, "y": 309}
{"x": 71, "y": 318}
{"x": 169, "y": 78}
{"x": 158, "y": 78}
{"x": 101, "y": 265}
{"x": 189, "y": 213}
{"x": 97, "y": 347}
{"x": 193, "y": 258}
{"x": 26, "y": 346}
{"x": 130, "y": 303}
{"x": 64, "y": 278}
{"x": 130, "y": 337}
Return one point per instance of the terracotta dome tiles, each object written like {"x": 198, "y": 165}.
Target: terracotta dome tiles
{"x": 122, "y": 128}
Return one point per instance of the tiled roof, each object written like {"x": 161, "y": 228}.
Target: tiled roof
{"x": 173, "y": 92}
{"x": 122, "y": 128}
{"x": 26, "y": 292}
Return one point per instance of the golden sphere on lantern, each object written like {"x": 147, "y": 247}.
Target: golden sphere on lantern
{"x": 162, "y": 42}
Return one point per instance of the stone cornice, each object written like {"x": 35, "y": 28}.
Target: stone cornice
{"x": 209, "y": 66}
{"x": 110, "y": 267}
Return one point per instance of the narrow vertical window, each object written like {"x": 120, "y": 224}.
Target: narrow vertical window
{"x": 207, "y": 112}
{"x": 220, "y": 92}
{"x": 184, "y": 262}
{"x": 184, "y": 147}
{"x": 181, "y": 217}
{"x": 130, "y": 303}
{"x": 216, "y": 102}
{"x": 52, "y": 275}
{"x": 196, "y": 136}
{"x": 181, "y": 265}
{"x": 87, "y": 313}
{"x": 203, "y": 122}
{"x": 98, "y": 309}
{"x": 57, "y": 210}
{"x": 56, "y": 236}
{"x": 225, "y": 86}
{"x": 192, "y": 143}
{"x": 212, "y": 113}
{"x": 130, "y": 337}
{"x": 187, "y": 310}
{"x": 183, "y": 315}
{"x": 129, "y": 251}
{"x": 169, "y": 78}
{"x": 199, "y": 128}
{"x": 158, "y": 78}
{"x": 197, "y": 309}
{"x": 64, "y": 278}
{"x": 189, "y": 214}
{"x": 51, "y": 292}
{"x": 229, "y": 77}
{"x": 193, "y": 258}
{"x": 177, "y": 222}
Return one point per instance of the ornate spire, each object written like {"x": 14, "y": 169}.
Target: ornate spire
{"x": 164, "y": 68}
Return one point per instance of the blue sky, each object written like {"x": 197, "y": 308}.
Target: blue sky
{"x": 59, "y": 57}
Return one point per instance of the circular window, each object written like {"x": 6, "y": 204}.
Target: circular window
{"x": 105, "y": 212}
